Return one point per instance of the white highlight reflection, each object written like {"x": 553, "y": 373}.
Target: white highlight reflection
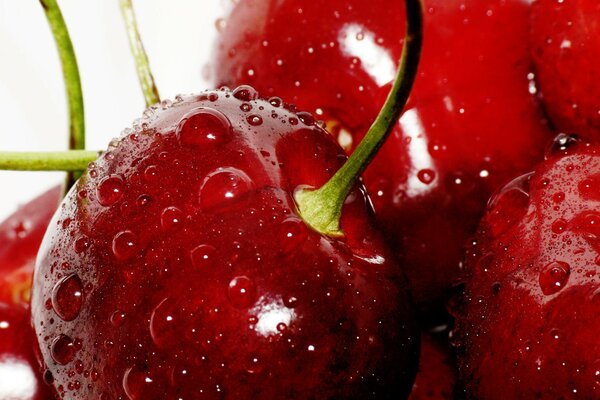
{"x": 17, "y": 380}
{"x": 375, "y": 59}
{"x": 270, "y": 313}
{"x": 418, "y": 152}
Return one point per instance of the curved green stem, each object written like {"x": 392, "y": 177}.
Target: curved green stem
{"x": 71, "y": 161}
{"x": 141, "y": 58}
{"x": 322, "y": 208}
{"x": 72, "y": 80}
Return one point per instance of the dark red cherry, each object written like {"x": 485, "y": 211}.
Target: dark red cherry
{"x": 213, "y": 286}
{"x": 529, "y": 324}
{"x": 21, "y": 377}
{"x": 471, "y": 123}
{"x": 566, "y": 47}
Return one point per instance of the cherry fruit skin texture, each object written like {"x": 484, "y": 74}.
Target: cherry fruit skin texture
{"x": 179, "y": 267}
{"x": 566, "y": 47}
{"x": 470, "y": 125}
{"x": 20, "y": 237}
{"x": 529, "y": 325}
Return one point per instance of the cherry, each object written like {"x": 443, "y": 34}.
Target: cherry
{"x": 566, "y": 44}
{"x": 528, "y": 327}
{"x": 471, "y": 123}
{"x": 200, "y": 279}
{"x": 20, "y": 237}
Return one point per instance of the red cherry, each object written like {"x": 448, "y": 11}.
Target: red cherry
{"x": 529, "y": 323}
{"x": 470, "y": 125}
{"x": 214, "y": 287}
{"x": 20, "y": 237}
{"x": 566, "y": 44}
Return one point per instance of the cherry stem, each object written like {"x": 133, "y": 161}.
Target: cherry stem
{"x": 70, "y": 161}
{"x": 72, "y": 80}
{"x": 142, "y": 64}
{"x": 322, "y": 208}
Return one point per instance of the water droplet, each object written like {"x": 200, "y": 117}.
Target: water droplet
{"x": 558, "y": 197}
{"x": 163, "y": 328}
{"x": 254, "y": 120}
{"x": 118, "y": 318}
{"x": 202, "y": 256}
{"x": 275, "y": 101}
{"x": 290, "y": 301}
{"x": 223, "y": 186}
{"x": 170, "y": 218}
{"x": 306, "y": 118}
{"x": 67, "y": 297}
{"x": 82, "y": 244}
{"x": 124, "y": 245}
{"x": 110, "y": 190}
{"x": 204, "y": 127}
{"x": 561, "y": 143}
{"x": 137, "y": 383}
{"x": 554, "y": 277}
{"x": 242, "y": 292}
{"x": 245, "y": 107}
{"x": 426, "y": 176}
{"x": 151, "y": 173}
{"x": 245, "y": 93}
{"x": 293, "y": 232}
{"x": 63, "y": 349}
{"x": 559, "y": 226}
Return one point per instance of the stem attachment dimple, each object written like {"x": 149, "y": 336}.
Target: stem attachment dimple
{"x": 142, "y": 64}
{"x": 322, "y": 208}
{"x": 72, "y": 80}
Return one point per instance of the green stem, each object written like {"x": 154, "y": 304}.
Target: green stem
{"x": 71, "y": 78}
{"x": 71, "y": 161}
{"x": 322, "y": 208}
{"x": 141, "y": 58}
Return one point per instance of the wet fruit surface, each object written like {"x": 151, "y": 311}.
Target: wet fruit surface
{"x": 20, "y": 237}
{"x": 530, "y": 319}
{"x": 566, "y": 47}
{"x": 471, "y": 123}
{"x": 198, "y": 278}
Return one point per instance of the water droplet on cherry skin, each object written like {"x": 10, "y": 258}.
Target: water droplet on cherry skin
{"x": 554, "y": 276}
{"x": 163, "y": 322}
{"x": 67, "y": 297}
{"x": 254, "y": 120}
{"x": 561, "y": 144}
{"x": 171, "y": 218}
{"x": 202, "y": 256}
{"x": 426, "y": 176}
{"x": 138, "y": 383}
{"x": 63, "y": 349}
{"x": 245, "y": 93}
{"x": 223, "y": 186}
{"x": 124, "y": 245}
{"x": 293, "y": 233}
{"x": 110, "y": 190}
{"x": 241, "y": 292}
{"x": 204, "y": 127}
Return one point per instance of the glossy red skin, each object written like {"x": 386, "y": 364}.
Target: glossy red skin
{"x": 471, "y": 123}
{"x": 160, "y": 309}
{"x": 437, "y": 374}
{"x": 528, "y": 329}
{"x": 20, "y": 237}
{"x": 566, "y": 47}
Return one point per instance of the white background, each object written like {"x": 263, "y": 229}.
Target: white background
{"x": 178, "y": 36}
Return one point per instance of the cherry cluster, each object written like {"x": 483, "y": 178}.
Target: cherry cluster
{"x": 222, "y": 247}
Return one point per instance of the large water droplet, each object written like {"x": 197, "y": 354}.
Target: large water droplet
{"x": 293, "y": 233}
{"x": 202, "y": 256}
{"x": 242, "y": 292}
{"x": 110, "y": 190}
{"x": 245, "y": 93}
{"x": 124, "y": 245}
{"x": 204, "y": 126}
{"x": 137, "y": 383}
{"x": 170, "y": 218}
{"x": 63, "y": 349}
{"x": 223, "y": 186}
{"x": 162, "y": 323}
{"x": 554, "y": 277}
{"x": 561, "y": 143}
{"x": 67, "y": 297}
{"x": 254, "y": 120}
